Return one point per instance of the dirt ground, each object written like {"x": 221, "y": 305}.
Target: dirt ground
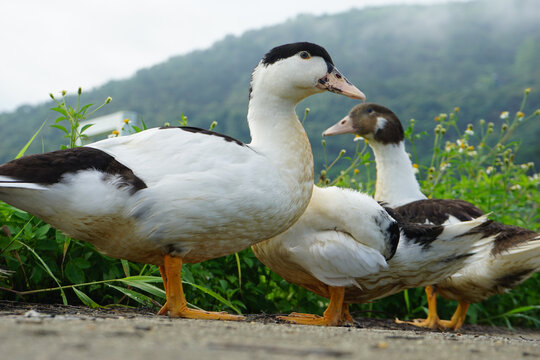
{"x": 38, "y": 331}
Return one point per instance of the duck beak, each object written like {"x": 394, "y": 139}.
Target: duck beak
{"x": 334, "y": 82}
{"x": 343, "y": 126}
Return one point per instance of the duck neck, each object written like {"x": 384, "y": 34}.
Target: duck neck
{"x": 396, "y": 182}
{"x": 277, "y": 133}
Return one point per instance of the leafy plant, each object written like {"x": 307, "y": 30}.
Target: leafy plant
{"x": 47, "y": 266}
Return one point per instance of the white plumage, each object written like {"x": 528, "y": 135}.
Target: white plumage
{"x": 173, "y": 195}
{"x": 343, "y": 247}
{"x": 514, "y": 253}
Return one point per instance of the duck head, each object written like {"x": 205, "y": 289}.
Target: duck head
{"x": 371, "y": 121}
{"x": 299, "y": 70}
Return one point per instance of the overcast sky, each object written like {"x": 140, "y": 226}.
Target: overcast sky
{"x": 53, "y": 45}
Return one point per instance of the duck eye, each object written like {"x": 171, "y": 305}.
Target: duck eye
{"x": 305, "y": 55}
{"x": 369, "y": 110}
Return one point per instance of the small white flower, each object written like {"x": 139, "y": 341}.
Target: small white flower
{"x": 469, "y": 132}
{"x": 489, "y": 170}
{"x": 515, "y": 187}
{"x": 472, "y": 153}
{"x": 444, "y": 166}
{"x": 504, "y": 115}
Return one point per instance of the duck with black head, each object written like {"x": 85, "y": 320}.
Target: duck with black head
{"x": 169, "y": 196}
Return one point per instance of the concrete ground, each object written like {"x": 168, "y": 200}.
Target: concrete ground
{"x": 62, "y": 332}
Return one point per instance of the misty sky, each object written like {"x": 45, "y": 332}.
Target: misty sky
{"x": 54, "y": 45}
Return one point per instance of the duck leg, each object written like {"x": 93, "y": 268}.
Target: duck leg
{"x": 346, "y": 315}
{"x": 176, "y": 304}
{"x": 432, "y": 321}
{"x": 458, "y": 318}
{"x": 332, "y": 315}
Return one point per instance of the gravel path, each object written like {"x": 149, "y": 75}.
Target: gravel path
{"x": 60, "y": 332}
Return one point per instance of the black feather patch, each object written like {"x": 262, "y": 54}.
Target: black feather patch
{"x": 507, "y": 236}
{"x": 437, "y": 211}
{"x": 288, "y": 50}
{"x": 511, "y": 280}
{"x": 49, "y": 168}
{"x": 422, "y": 235}
{"x": 205, "y": 132}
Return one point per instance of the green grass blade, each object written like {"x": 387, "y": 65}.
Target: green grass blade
{"x": 154, "y": 290}
{"x": 125, "y": 267}
{"x": 86, "y": 300}
{"x": 215, "y": 295}
{"x": 62, "y": 293}
{"x": 25, "y": 147}
{"x": 138, "y": 297}
{"x": 239, "y": 270}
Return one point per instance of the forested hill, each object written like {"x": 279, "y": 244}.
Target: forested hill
{"x": 417, "y": 60}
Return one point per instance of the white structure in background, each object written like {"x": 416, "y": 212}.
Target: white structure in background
{"x": 103, "y": 126}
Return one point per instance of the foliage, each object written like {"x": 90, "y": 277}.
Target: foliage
{"x": 478, "y": 165}
{"x": 73, "y": 117}
{"x": 44, "y": 265}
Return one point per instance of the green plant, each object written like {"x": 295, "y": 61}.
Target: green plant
{"x": 73, "y": 117}
{"x": 47, "y": 266}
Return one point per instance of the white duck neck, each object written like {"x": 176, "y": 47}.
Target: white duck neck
{"x": 277, "y": 133}
{"x": 396, "y": 181}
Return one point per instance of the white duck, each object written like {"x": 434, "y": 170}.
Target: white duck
{"x": 515, "y": 252}
{"x": 184, "y": 195}
{"x": 348, "y": 248}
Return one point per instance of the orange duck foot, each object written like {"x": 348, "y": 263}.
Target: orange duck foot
{"x": 185, "y": 312}
{"x": 432, "y": 321}
{"x": 176, "y": 304}
{"x": 333, "y": 315}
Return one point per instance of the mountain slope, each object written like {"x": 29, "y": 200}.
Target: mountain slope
{"x": 417, "y": 60}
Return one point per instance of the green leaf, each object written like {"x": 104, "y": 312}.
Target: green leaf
{"x": 125, "y": 266}
{"x": 84, "y": 109}
{"x": 85, "y": 127}
{"x": 215, "y": 295}
{"x": 154, "y": 290}
{"x": 62, "y": 293}
{"x": 25, "y": 147}
{"x": 74, "y": 273}
{"x": 86, "y": 299}
{"x": 138, "y": 297}
{"x": 60, "y": 127}
{"x": 81, "y": 263}
{"x": 59, "y": 109}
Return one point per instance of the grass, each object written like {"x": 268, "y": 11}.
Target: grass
{"x": 475, "y": 164}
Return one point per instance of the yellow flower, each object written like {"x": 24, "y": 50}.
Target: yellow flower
{"x": 456, "y": 109}
{"x": 64, "y": 92}
{"x": 437, "y": 118}
{"x": 415, "y": 166}
{"x": 356, "y": 171}
{"x": 126, "y": 121}
{"x": 527, "y": 91}
{"x": 116, "y": 132}
{"x": 520, "y": 114}
{"x": 470, "y": 148}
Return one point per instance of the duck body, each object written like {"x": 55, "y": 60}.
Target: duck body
{"x": 174, "y": 195}
{"x": 345, "y": 240}
{"x": 174, "y": 206}
{"x": 514, "y": 253}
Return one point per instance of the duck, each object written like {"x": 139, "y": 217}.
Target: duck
{"x": 350, "y": 249}
{"x": 514, "y": 252}
{"x": 174, "y": 195}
